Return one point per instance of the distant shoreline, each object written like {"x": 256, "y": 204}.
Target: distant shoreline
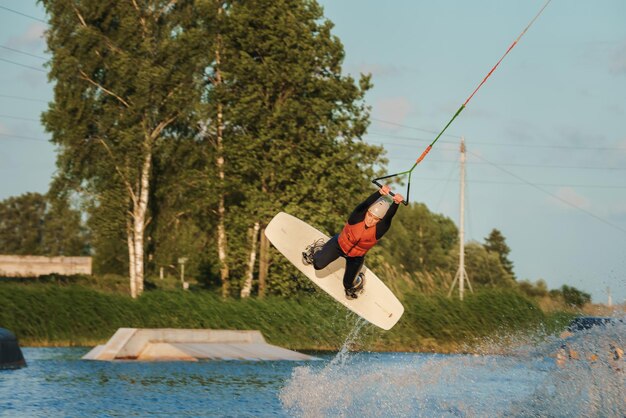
{"x": 52, "y": 315}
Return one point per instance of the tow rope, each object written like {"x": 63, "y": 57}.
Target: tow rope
{"x": 427, "y": 150}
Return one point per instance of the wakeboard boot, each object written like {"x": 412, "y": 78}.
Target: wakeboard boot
{"x": 310, "y": 250}
{"x": 357, "y": 287}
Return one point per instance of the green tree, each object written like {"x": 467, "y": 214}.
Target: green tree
{"x": 182, "y": 222}
{"x": 290, "y": 130}
{"x": 537, "y": 289}
{"x": 64, "y": 232}
{"x": 21, "y": 224}
{"x": 421, "y": 240}
{"x": 126, "y": 74}
{"x": 484, "y": 267}
{"x": 575, "y": 297}
{"x": 31, "y": 224}
{"x": 496, "y": 243}
{"x": 108, "y": 229}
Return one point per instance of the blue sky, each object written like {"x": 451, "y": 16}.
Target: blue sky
{"x": 547, "y": 128}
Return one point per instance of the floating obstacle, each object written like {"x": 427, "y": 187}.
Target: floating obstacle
{"x": 170, "y": 344}
{"x": 11, "y": 356}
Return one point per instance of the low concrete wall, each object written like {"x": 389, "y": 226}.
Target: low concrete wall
{"x": 33, "y": 266}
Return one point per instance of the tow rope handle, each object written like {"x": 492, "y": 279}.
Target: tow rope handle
{"x": 405, "y": 202}
{"x": 409, "y": 172}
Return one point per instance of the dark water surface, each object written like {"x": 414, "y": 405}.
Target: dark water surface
{"x": 526, "y": 382}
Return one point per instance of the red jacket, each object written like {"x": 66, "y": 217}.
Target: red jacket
{"x": 356, "y": 240}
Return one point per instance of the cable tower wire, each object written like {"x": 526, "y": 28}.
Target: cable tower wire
{"x": 427, "y": 150}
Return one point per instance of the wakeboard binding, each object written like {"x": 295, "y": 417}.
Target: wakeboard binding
{"x": 310, "y": 250}
{"x": 357, "y": 287}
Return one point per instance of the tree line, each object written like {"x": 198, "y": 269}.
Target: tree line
{"x": 183, "y": 127}
{"x": 421, "y": 253}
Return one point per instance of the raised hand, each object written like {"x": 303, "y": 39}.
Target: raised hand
{"x": 398, "y": 198}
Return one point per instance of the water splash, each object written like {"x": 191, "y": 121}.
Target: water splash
{"x": 589, "y": 376}
{"x": 527, "y": 378}
{"x": 353, "y": 338}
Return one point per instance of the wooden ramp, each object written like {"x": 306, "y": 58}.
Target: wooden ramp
{"x": 169, "y": 344}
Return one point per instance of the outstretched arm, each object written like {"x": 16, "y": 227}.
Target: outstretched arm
{"x": 383, "y": 226}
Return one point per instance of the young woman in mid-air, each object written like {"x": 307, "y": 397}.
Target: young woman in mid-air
{"x": 369, "y": 221}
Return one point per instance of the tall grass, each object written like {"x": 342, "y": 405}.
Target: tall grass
{"x": 71, "y": 314}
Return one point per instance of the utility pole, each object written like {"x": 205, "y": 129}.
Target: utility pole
{"x": 461, "y": 274}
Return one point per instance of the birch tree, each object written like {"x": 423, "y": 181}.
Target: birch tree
{"x": 217, "y": 84}
{"x": 125, "y": 73}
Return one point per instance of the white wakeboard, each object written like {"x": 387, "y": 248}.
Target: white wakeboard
{"x": 376, "y": 304}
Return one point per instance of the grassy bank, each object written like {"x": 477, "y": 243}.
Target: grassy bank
{"x": 72, "y": 314}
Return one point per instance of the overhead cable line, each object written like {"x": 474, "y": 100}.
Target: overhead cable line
{"x": 509, "y": 183}
{"x": 23, "y": 65}
{"x": 410, "y": 127}
{"x": 23, "y": 14}
{"x": 23, "y": 52}
{"x": 569, "y": 167}
{"x": 500, "y": 144}
{"x": 564, "y": 167}
{"x": 29, "y": 99}
{"x": 19, "y": 118}
{"x": 593, "y": 215}
{"x": 30, "y": 138}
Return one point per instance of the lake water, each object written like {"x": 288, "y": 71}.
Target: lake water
{"x": 524, "y": 382}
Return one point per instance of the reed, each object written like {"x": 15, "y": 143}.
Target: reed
{"x": 71, "y": 314}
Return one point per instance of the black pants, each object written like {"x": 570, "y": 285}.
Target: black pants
{"x": 332, "y": 251}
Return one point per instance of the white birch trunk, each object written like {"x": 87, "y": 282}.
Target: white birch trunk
{"x": 139, "y": 222}
{"x": 264, "y": 256}
{"x": 247, "y": 287}
{"x": 264, "y": 259}
{"x": 221, "y": 214}
{"x": 131, "y": 259}
{"x": 221, "y": 210}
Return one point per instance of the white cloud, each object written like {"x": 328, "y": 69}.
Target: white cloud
{"x": 32, "y": 39}
{"x": 569, "y": 195}
{"x": 392, "y": 109}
